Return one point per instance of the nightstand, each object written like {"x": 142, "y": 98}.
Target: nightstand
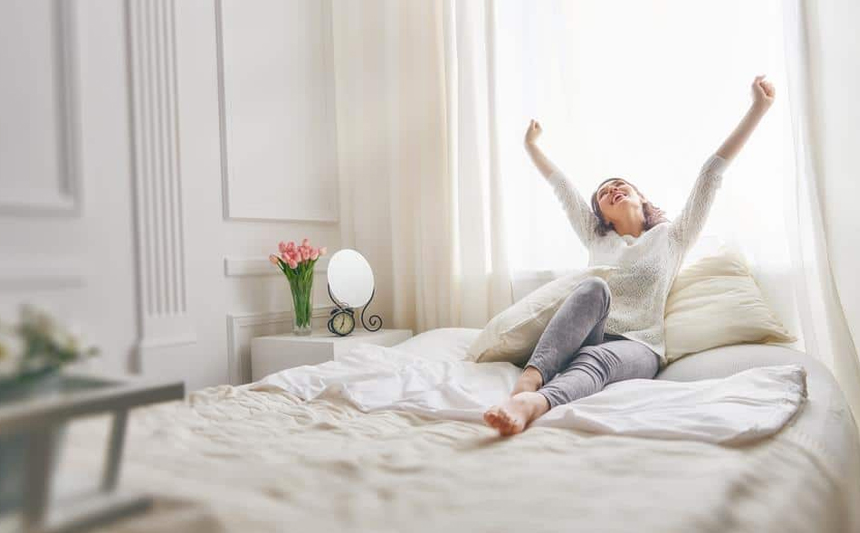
{"x": 274, "y": 353}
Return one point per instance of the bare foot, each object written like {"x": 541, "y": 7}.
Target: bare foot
{"x": 517, "y": 413}
{"x": 529, "y": 381}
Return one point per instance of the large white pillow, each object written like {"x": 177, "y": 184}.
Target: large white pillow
{"x": 441, "y": 344}
{"x": 715, "y": 301}
{"x": 512, "y": 335}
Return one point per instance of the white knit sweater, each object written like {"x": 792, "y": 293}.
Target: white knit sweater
{"x": 648, "y": 263}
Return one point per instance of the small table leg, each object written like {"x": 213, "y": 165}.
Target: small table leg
{"x": 43, "y": 516}
{"x": 40, "y": 467}
{"x": 114, "y": 451}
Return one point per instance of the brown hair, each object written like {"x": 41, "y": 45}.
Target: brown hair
{"x": 653, "y": 214}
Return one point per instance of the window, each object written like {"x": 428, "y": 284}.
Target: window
{"x": 645, "y": 91}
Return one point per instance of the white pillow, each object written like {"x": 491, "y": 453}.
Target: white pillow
{"x": 441, "y": 344}
{"x": 715, "y": 301}
{"x": 512, "y": 335}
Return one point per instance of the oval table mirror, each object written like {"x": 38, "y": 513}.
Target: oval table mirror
{"x": 350, "y": 286}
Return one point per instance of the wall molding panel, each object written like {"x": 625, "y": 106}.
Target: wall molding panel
{"x": 41, "y": 273}
{"x": 65, "y": 198}
{"x": 163, "y": 306}
{"x": 278, "y": 160}
{"x": 254, "y": 266}
{"x": 242, "y": 327}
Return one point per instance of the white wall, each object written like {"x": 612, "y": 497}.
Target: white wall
{"x": 279, "y": 154}
{"x": 155, "y": 241}
{"x": 66, "y": 233}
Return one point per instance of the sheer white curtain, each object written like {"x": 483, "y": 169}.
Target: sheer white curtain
{"x": 470, "y": 67}
{"x": 648, "y": 102}
{"x": 415, "y": 106}
{"x": 824, "y": 80}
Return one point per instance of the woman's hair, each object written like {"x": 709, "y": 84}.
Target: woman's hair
{"x": 653, "y": 214}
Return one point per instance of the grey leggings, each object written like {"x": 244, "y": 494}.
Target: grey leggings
{"x": 574, "y": 355}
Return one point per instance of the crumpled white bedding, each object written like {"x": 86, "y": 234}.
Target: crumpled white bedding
{"x": 257, "y": 458}
{"x": 741, "y": 408}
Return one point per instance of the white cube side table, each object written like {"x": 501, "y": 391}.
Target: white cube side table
{"x": 274, "y": 353}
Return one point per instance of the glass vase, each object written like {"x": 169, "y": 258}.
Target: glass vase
{"x": 301, "y": 288}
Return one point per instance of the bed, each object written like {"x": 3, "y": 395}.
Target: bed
{"x": 254, "y": 458}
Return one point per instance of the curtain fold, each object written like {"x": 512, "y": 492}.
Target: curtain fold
{"x": 430, "y": 85}
{"x": 826, "y": 330}
{"x": 481, "y": 267}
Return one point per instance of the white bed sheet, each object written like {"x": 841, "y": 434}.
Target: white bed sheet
{"x": 737, "y": 409}
{"x": 825, "y": 422}
{"x": 254, "y": 458}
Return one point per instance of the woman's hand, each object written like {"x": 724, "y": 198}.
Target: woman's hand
{"x": 541, "y": 161}
{"x": 763, "y": 93}
{"x": 533, "y": 132}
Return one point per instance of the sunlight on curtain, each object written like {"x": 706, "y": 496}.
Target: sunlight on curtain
{"x": 646, "y": 91}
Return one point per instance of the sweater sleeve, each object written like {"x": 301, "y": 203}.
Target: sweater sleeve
{"x": 579, "y": 213}
{"x": 689, "y": 223}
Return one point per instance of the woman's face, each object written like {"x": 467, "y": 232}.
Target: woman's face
{"x": 615, "y": 197}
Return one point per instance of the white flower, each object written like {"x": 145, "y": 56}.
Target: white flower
{"x": 38, "y": 319}
{"x": 67, "y": 339}
{"x": 12, "y": 349}
{"x": 48, "y": 327}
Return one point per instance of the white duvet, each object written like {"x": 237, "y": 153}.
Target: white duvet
{"x": 257, "y": 458}
{"x": 737, "y": 409}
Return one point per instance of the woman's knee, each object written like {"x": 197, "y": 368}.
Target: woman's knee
{"x": 595, "y": 283}
{"x": 595, "y": 288}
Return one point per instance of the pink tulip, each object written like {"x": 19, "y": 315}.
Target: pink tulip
{"x": 306, "y": 243}
{"x": 314, "y": 254}
{"x": 285, "y": 257}
{"x": 282, "y": 247}
{"x": 293, "y": 264}
{"x": 273, "y": 259}
{"x": 291, "y": 245}
{"x": 305, "y": 254}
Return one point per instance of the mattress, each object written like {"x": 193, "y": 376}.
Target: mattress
{"x": 254, "y": 458}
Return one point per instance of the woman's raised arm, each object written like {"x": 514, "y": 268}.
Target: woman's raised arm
{"x": 582, "y": 218}
{"x": 763, "y": 94}
{"x": 685, "y": 229}
{"x": 541, "y": 161}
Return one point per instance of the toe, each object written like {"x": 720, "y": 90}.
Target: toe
{"x": 506, "y": 421}
{"x": 493, "y": 417}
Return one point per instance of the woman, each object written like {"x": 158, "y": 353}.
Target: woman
{"x": 590, "y": 343}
